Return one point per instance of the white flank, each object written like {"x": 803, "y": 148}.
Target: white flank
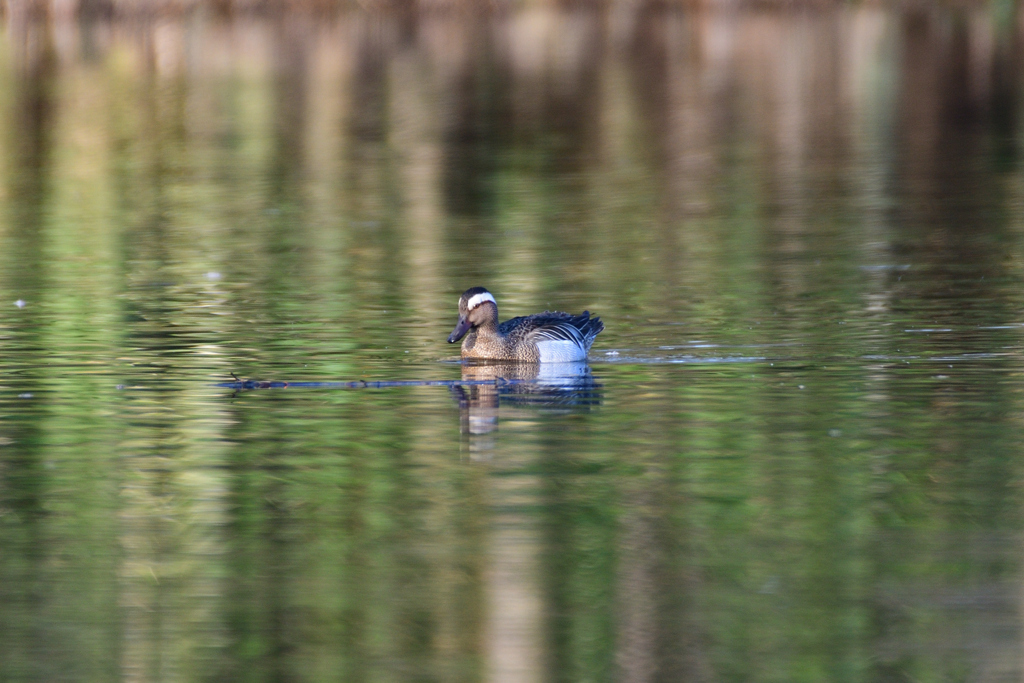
{"x": 478, "y": 299}
{"x": 560, "y": 351}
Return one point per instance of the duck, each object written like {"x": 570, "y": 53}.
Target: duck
{"x": 548, "y": 337}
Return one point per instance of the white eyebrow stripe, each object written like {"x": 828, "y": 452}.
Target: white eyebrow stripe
{"x": 478, "y": 299}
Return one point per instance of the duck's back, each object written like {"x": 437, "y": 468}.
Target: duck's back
{"x": 559, "y": 337}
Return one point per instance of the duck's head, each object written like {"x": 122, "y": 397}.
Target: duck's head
{"x": 476, "y": 307}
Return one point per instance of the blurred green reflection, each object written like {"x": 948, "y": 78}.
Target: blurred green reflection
{"x": 796, "y": 454}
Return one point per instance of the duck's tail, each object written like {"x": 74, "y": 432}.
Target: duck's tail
{"x": 590, "y": 327}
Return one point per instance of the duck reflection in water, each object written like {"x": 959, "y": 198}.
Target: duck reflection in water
{"x": 546, "y": 387}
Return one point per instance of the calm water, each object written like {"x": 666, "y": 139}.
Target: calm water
{"x": 796, "y": 454}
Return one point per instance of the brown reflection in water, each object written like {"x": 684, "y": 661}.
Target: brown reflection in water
{"x": 515, "y": 646}
{"x": 523, "y": 585}
{"x": 27, "y": 164}
{"x": 553, "y": 386}
{"x": 478, "y": 404}
{"x": 27, "y": 560}
{"x": 953, "y": 160}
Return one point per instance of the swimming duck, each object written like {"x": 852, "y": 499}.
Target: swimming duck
{"x": 548, "y": 337}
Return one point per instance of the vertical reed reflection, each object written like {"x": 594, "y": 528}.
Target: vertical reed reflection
{"x": 27, "y": 147}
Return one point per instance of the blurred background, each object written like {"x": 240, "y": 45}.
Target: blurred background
{"x": 798, "y": 456}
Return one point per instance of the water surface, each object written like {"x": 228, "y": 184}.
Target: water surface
{"x": 794, "y": 455}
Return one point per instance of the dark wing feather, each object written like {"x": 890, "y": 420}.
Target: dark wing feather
{"x": 555, "y": 326}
